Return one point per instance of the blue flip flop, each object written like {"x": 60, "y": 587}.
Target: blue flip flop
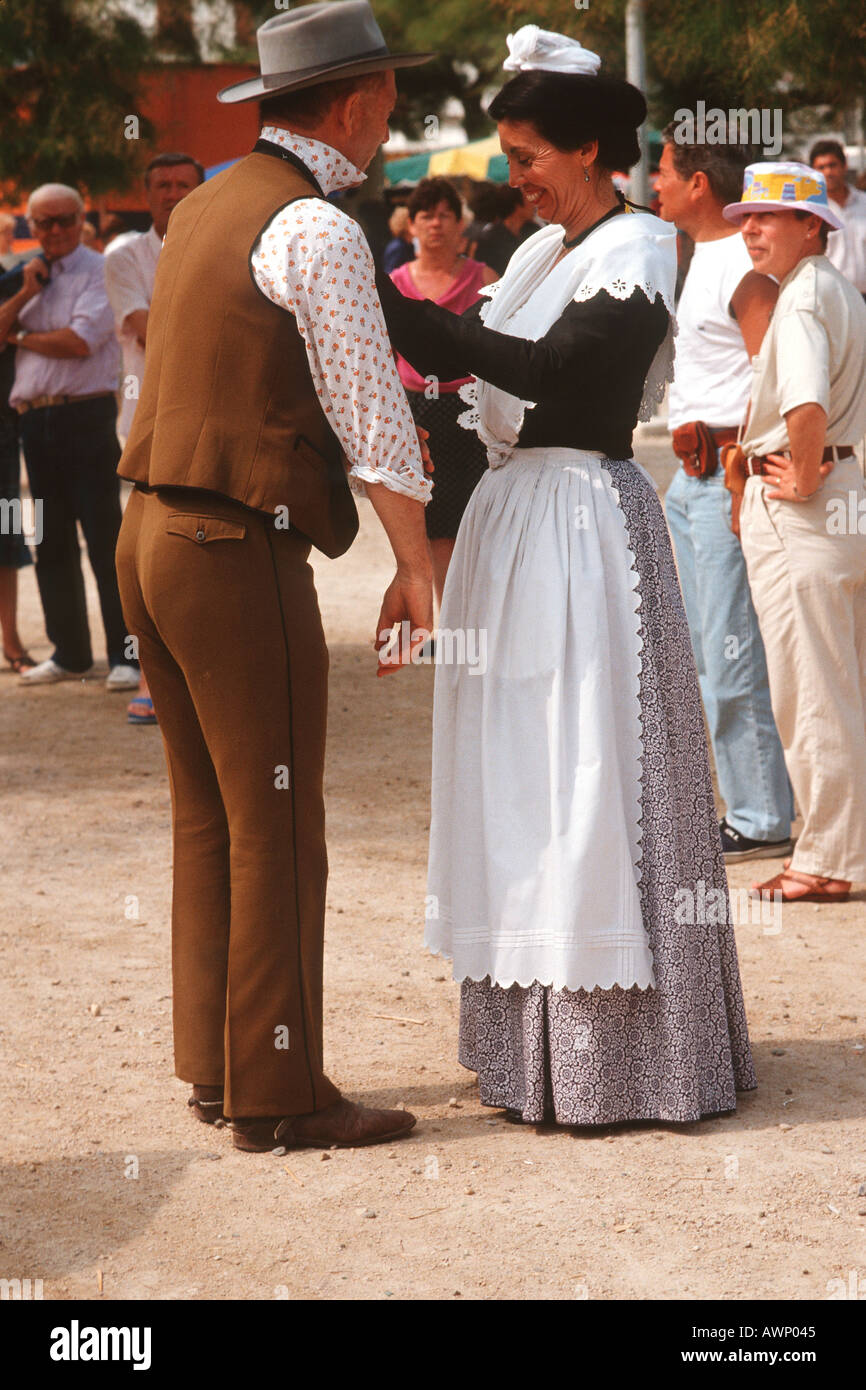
{"x": 146, "y": 716}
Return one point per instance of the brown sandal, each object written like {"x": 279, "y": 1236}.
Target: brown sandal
{"x": 19, "y": 664}
{"x": 816, "y": 891}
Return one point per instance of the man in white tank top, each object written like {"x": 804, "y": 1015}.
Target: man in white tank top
{"x": 722, "y": 316}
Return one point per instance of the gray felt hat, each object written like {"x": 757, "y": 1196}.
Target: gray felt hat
{"x": 308, "y": 45}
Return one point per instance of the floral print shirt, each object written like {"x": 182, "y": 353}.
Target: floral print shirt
{"x": 314, "y": 260}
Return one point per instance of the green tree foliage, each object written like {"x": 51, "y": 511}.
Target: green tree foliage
{"x": 68, "y": 77}
{"x": 787, "y": 53}
{"x": 728, "y": 53}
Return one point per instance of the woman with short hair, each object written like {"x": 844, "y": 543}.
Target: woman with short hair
{"x": 576, "y": 875}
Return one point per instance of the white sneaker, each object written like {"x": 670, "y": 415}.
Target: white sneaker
{"x": 48, "y": 673}
{"x": 123, "y": 678}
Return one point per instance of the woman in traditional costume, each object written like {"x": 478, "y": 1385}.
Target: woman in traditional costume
{"x": 574, "y": 844}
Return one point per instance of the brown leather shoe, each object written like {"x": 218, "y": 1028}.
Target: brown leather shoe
{"x": 344, "y": 1125}
{"x": 206, "y": 1103}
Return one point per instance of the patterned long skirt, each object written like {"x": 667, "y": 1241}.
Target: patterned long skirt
{"x": 678, "y": 1050}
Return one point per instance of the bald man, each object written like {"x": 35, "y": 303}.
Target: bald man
{"x": 66, "y": 375}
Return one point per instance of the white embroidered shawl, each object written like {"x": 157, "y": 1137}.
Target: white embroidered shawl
{"x": 632, "y": 251}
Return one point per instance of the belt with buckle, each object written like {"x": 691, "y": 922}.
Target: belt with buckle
{"x": 757, "y": 465}
{"x": 42, "y": 402}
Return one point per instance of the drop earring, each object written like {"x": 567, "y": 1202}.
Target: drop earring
{"x": 585, "y": 174}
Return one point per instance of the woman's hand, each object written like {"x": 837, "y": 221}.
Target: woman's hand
{"x": 423, "y": 436}
{"x": 783, "y": 474}
{"x": 807, "y": 430}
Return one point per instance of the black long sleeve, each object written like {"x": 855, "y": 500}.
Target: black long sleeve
{"x": 586, "y": 374}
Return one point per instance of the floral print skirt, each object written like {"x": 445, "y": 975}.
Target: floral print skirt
{"x": 679, "y": 1051}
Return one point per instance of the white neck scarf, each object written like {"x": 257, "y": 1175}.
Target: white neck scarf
{"x": 632, "y": 251}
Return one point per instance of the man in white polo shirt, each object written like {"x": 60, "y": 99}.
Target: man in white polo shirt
{"x": 802, "y": 522}
{"x": 722, "y": 315}
{"x": 846, "y": 248}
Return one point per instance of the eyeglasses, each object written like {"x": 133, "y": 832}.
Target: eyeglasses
{"x": 65, "y": 220}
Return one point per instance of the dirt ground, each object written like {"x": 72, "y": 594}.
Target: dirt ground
{"x": 108, "y": 1185}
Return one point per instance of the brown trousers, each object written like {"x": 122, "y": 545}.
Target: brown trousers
{"x": 230, "y": 638}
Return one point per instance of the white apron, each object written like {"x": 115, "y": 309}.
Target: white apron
{"x": 535, "y": 828}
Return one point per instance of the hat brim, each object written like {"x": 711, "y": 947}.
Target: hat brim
{"x": 254, "y": 89}
{"x": 734, "y": 211}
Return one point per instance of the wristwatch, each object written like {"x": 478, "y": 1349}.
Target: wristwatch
{"x": 22, "y": 333}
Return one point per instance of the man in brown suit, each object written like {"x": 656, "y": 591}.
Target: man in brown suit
{"x": 267, "y": 363}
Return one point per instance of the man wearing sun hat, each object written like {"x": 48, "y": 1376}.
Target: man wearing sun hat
{"x": 803, "y": 521}
{"x": 268, "y": 364}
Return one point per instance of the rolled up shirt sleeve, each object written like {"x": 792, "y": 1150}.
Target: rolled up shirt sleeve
{"x": 802, "y": 361}
{"x": 314, "y": 261}
{"x": 125, "y": 285}
{"x": 92, "y": 318}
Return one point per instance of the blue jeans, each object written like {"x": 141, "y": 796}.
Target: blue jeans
{"x": 730, "y": 658}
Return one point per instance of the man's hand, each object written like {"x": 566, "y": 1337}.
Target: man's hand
{"x": 409, "y": 597}
{"x": 408, "y": 606}
{"x": 34, "y": 277}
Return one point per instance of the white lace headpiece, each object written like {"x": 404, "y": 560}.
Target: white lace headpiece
{"x": 532, "y": 49}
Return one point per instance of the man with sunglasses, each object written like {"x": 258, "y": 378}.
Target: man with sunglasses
{"x": 66, "y": 375}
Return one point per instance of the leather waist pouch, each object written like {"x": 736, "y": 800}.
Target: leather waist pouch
{"x": 694, "y": 445}
{"x": 733, "y": 461}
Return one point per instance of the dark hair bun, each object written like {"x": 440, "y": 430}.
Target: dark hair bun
{"x": 569, "y": 108}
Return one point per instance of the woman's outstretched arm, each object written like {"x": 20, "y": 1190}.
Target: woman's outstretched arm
{"x": 597, "y": 332}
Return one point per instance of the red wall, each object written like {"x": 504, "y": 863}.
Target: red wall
{"x": 181, "y": 102}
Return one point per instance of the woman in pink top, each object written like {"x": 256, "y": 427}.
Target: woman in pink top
{"x": 442, "y": 274}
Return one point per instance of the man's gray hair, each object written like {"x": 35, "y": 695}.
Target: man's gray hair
{"x": 55, "y": 190}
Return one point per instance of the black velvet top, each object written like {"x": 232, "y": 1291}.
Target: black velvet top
{"x": 586, "y": 374}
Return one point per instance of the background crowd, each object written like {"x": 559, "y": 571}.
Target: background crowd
{"x": 73, "y": 329}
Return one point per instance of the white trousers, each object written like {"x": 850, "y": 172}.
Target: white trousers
{"x": 806, "y": 563}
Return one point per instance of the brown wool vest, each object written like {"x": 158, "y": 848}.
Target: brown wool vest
{"x": 228, "y": 403}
